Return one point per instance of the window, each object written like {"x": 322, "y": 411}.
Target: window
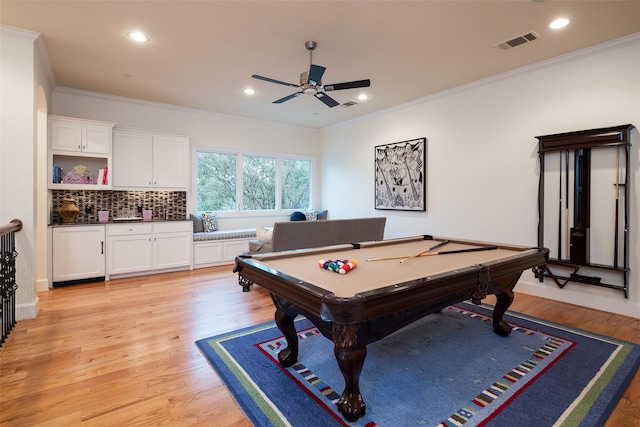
{"x": 237, "y": 182}
{"x": 296, "y": 183}
{"x": 258, "y": 183}
{"x": 216, "y": 184}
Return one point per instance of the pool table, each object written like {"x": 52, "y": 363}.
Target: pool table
{"x": 395, "y": 282}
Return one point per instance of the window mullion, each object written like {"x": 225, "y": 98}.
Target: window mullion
{"x": 239, "y": 183}
{"x": 279, "y": 183}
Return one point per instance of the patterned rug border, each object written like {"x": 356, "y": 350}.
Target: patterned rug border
{"x": 482, "y": 401}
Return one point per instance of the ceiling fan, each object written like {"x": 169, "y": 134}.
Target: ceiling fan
{"x": 311, "y": 82}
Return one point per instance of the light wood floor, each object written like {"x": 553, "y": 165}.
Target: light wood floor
{"x": 122, "y": 352}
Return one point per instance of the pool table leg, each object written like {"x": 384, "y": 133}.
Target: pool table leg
{"x": 289, "y": 355}
{"x": 350, "y": 360}
{"x": 504, "y": 298}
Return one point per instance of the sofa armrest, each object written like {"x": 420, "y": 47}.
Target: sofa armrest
{"x": 256, "y": 246}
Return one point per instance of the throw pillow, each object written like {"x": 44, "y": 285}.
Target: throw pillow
{"x": 209, "y": 221}
{"x": 298, "y": 216}
{"x": 311, "y": 215}
{"x": 264, "y": 234}
{"x": 198, "y": 226}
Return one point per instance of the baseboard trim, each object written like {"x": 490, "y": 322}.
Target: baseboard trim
{"x": 597, "y": 298}
{"x": 42, "y": 285}
{"x": 28, "y": 310}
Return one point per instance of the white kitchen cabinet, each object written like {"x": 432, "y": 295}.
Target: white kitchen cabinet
{"x": 170, "y": 162}
{"x": 128, "y": 248}
{"x": 132, "y": 161}
{"x": 172, "y": 242}
{"x": 78, "y": 253}
{"x": 141, "y": 248}
{"x": 78, "y": 150}
{"x": 143, "y": 160}
{"x": 79, "y": 136}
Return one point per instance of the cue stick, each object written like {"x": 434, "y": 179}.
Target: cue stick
{"x": 615, "y": 237}
{"x": 560, "y": 208}
{"x": 444, "y": 242}
{"x": 566, "y": 202}
{"x": 457, "y": 251}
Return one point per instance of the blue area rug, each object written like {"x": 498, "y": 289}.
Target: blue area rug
{"x": 448, "y": 369}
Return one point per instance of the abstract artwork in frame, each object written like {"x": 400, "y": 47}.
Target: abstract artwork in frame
{"x": 400, "y": 173}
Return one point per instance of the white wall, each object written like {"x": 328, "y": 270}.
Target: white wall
{"x": 206, "y": 129}
{"x": 23, "y": 75}
{"x": 482, "y": 160}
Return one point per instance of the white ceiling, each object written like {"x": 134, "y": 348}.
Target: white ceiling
{"x": 201, "y": 54}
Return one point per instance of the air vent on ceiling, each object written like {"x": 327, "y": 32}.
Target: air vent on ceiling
{"x": 517, "y": 41}
{"x": 349, "y": 103}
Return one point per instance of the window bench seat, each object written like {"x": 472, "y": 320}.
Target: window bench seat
{"x": 220, "y": 247}
{"x": 241, "y": 233}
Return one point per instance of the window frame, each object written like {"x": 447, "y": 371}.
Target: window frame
{"x": 240, "y": 154}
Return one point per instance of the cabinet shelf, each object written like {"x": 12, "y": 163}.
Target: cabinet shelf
{"x": 87, "y": 177}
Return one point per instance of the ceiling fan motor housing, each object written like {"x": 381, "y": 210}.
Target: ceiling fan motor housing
{"x": 307, "y": 87}
{"x": 304, "y": 78}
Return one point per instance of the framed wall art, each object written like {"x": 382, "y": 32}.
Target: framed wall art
{"x": 400, "y": 173}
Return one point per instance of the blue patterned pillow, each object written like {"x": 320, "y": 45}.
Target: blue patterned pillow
{"x": 209, "y": 221}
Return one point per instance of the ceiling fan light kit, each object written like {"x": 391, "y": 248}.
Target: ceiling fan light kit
{"x": 311, "y": 82}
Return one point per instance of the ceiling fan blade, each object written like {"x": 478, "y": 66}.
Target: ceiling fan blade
{"x": 329, "y": 101}
{"x": 348, "y": 85}
{"x": 315, "y": 74}
{"x": 286, "y": 98}
{"x": 267, "y": 79}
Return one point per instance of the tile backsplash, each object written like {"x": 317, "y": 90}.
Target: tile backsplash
{"x": 169, "y": 205}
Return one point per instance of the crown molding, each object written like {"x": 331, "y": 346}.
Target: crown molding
{"x": 39, "y": 46}
{"x": 41, "y": 50}
{"x": 18, "y": 33}
{"x": 63, "y": 89}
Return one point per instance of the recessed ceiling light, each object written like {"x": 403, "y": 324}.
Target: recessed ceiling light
{"x": 363, "y": 97}
{"x": 559, "y": 23}
{"x": 138, "y": 36}
{"x": 249, "y": 91}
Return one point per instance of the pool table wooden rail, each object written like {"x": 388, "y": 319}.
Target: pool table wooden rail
{"x": 415, "y": 298}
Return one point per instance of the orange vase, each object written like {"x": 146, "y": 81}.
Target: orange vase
{"x": 68, "y": 211}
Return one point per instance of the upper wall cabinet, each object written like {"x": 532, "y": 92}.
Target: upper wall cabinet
{"x": 143, "y": 160}
{"x": 80, "y": 136}
{"x": 79, "y": 153}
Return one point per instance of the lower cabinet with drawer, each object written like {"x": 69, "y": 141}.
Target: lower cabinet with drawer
{"x": 143, "y": 248}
